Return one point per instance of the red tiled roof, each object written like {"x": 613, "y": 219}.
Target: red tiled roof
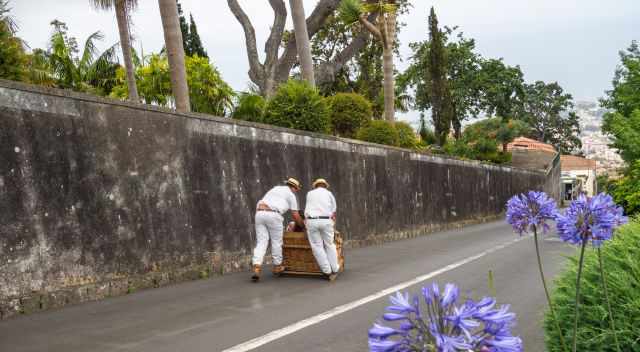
{"x": 531, "y": 144}
{"x": 572, "y": 162}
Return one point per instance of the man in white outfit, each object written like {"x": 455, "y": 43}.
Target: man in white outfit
{"x": 320, "y": 216}
{"x": 269, "y": 224}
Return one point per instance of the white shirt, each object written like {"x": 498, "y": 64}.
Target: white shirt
{"x": 320, "y": 202}
{"x": 280, "y": 199}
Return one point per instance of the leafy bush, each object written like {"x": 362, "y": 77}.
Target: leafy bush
{"x": 349, "y": 111}
{"x": 406, "y": 135}
{"x": 427, "y": 135}
{"x": 208, "y": 92}
{"x": 298, "y": 105}
{"x": 626, "y": 191}
{"x": 379, "y": 131}
{"x": 622, "y": 270}
{"x": 250, "y": 107}
{"x": 12, "y": 56}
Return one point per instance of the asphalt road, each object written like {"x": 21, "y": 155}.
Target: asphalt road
{"x": 223, "y": 312}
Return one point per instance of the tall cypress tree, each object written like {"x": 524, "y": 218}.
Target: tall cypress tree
{"x": 441, "y": 102}
{"x": 194, "y": 44}
{"x": 184, "y": 28}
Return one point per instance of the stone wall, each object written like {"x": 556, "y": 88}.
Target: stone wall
{"x": 101, "y": 198}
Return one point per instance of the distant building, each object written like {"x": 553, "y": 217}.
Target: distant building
{"x": 578, "y": 176}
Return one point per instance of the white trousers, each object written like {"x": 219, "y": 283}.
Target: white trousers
{"x": 268, "y": 226}
{"x": 320, "y": 233}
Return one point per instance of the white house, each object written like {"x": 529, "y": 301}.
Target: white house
{"x": 578, "y": 176}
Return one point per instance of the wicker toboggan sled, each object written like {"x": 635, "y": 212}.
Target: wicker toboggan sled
{"x": 298, "y": 258}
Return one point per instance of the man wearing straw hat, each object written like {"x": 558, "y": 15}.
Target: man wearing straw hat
{"x": 269, "y": 224}
{"x": 320, "y": 216}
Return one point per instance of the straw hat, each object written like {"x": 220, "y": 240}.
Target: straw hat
{"x": 294, "y": 183}
{"x": 320, "y": 181}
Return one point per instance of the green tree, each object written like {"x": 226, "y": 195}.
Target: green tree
{"x": 281, "y": 47}
{"x": 626, "y": 191}
{"x": 545, "y": 108}
{"x": 462, "y": 71}
{"x": 440, "y": 98}
{"x": 502, "y": 88}
{"x": 190, "y": 38}
{"x": 184, "y": 27}
{"x": 624, "y": 98}
{"x": 298, "y": 105}
{"x": 13, "y": 59}
{"x": 154, "y": 81}
{"x": 349, "y": 111}
{"x": 211, "y": 94}
{"x": 622, "y": 123}
{"x": 361, "y": 72}
{"x": 625, "y": 134}
{"x": 123, "y": 8}
{"x": 383, "y": 29}
{"x": 90, "y": 71}
{"x": 481, "y": 140}
{"x": 194, "y": 44}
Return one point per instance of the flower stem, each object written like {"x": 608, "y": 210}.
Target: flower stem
{"x": 546, "y": 291}
{"x": 575, "y": 321}
{"x": 606, "y": 295}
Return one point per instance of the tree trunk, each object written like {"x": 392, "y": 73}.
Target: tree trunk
{"x": 302, "y": 40}
{"x": 389, "y": 21}
{"x": 175, "y": 53}
{"x": 389, "y": 84}
{"x": 125, "y": 43}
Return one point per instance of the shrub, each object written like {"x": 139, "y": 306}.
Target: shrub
{"x": 298, "y": 105}
{"x": 626, "y": 191}
{"x": 406, "y": 135}
{"x": 349, "y": 111}
{"x": 250, "y": 107}
{"x": 427, "y": 136}
{"x": 379, "y": 131}
{"x": 622, "y": 270}
{"x": 208, "y": 92}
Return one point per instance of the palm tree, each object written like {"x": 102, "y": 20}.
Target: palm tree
{"x": 383, "y": 29}
{"x": 175, "y": 53}
{"x": 90, "y": 72}
{"x": 302, "y": 40}
{"x": 123, "y": 8}
{"x": 6, "y": 19}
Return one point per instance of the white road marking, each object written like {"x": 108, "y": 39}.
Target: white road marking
{"x": 290, "y": 329}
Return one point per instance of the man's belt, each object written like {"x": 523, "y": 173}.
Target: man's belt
{"x": 318, "y": 217}
{"x": 270, "y": 210}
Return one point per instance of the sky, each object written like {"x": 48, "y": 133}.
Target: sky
{"x": 573, "y": 42}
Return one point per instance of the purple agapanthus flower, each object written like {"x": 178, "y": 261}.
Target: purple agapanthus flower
{"x": 531, "y": 209}
{"x": 443, "y": 325}
{"x": 590, "y": 218}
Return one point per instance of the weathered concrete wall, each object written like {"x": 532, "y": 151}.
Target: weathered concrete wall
{"x": 99, "y": 198}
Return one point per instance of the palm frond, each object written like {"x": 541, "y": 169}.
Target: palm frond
{"x": 103, "y": 4}
{"x": 90, "y": 50}
{"x": 109, "y": 4}
{"x": 350, "y": 11}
